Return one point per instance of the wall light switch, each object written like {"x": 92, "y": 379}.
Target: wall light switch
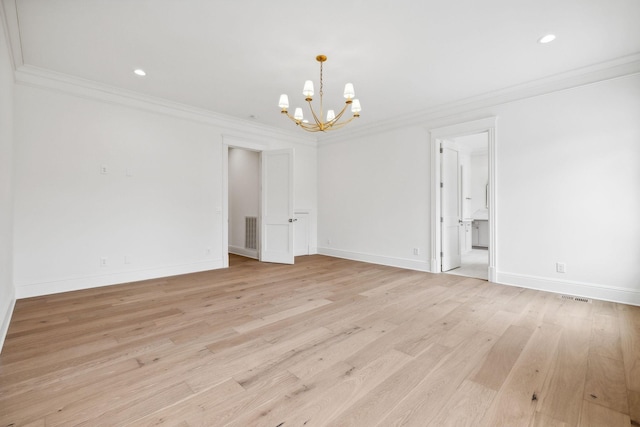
{"x": 104, "y": 169}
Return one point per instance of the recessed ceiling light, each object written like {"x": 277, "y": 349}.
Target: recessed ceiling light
{"x": 139, "y": 72}
{"x": 547, "y": 39}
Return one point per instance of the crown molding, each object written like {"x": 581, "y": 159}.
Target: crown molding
{"x": 620, "y": 67}
{"x": 28, "y": 75}
{"x": 9, "y": 17}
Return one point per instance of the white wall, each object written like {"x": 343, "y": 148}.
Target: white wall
{"x": 7, "y": 293}
{"x": 244, "y": 196}
{"x": 568, "y": 190}
{"x": 159, "y": 205}
{"x": 374, "y": 197}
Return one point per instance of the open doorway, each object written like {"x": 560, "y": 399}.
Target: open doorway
{"x": 463, "y": 208}
{"x": 244, "y": 202}
{"x": 275, "y": 219}
{"x": 473, "y": 170}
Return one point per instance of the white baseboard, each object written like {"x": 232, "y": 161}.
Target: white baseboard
{"x": 587, "y": 290}
{"x": 77, "y": 283}
{"x": 410, "y": 264}
{"x": 249, "y": 253}
{"x": 6, "y": 313}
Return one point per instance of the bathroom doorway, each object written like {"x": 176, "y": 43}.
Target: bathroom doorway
{"x": 474, "y": 172}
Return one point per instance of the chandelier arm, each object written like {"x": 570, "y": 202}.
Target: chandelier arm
{"x": 310, "y": 127}
{"x": 341, "y": 124}
{"x": 337, "y": 118}
{"x": 305, "y": 126}
{"x": 293, "y": 119}
{"x": 315, "y": 117}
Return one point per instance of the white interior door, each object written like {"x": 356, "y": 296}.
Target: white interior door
{"x": 451, "y": 220}
{"x": 276, "y": 243}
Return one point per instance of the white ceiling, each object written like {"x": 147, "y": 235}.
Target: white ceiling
{"x": 236, "y": 57}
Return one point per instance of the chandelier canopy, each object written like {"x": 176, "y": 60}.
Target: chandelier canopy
{"x": 332, "y": 120}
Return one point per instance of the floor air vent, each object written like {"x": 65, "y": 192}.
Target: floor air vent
{"x": 251, "y": 232}
{"x": 578, "y": 299}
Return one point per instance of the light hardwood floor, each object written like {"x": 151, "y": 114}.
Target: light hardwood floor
{"x": 327, "y": 342}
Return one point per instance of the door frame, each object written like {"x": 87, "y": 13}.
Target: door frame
{"x": 454, "y": 131}
{"x": 232, "y": 142}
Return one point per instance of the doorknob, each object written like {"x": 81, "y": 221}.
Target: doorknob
{"x": 293, "y": 219}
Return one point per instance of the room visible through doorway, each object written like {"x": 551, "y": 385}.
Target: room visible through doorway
{"x": 473, "y": 193}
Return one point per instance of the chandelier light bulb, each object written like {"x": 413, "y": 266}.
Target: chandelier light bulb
{"x": 284, "y": 101}
{"x": 331, "y": 115}
{"x": 298, "y": 114}
{"x": 349, "y": 93}
{"x": 308, "y": 89}
{"x": 355, "y": 106}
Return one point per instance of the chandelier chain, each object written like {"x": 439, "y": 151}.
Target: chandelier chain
{"x": 321, "y": 86}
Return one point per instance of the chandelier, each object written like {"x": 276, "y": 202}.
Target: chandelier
{"x": 332, "y": 120}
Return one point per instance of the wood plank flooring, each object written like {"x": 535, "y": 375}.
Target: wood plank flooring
{"x": 326, "y": 342}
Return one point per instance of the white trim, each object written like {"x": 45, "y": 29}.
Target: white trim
{"x": 87, "y": 282}
{"x": 581, "y": 289}
{"x": 225, "y": 203}
{"x": 249, "y": 253}
{"x": 619, "y": 67}
{"x": 454, "y": 131}
{"x": 410, "y": 264}
{"x": 9, "y": 16}
{"x": 235, "y": 142}
{"x": 6, "y": 321}
{"x": 28, "y": 75}
{"x": 306, "y": 212}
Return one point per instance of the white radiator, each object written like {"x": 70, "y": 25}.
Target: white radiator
{"x": 251, "y": 232}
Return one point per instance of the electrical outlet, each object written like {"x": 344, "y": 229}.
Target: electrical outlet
{"x": 328, "y": 242}
{"x": 207, "y": 252}
{"x": 104, "y": 169}
{"x": 416, "y": 251}
{"x": 103, "y": 261}
{"x": 127, "y": 259}
{"x": 561, "y": 267}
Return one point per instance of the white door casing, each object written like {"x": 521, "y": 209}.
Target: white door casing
{"x": 488, "y": 125}
{"x": 301, "y": 233}
{"x": 277, "y": 219}
{"x": 451, "y": 218}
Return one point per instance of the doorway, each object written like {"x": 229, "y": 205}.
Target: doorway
{"x": 464, "y": 244}
{"x": 275, "y": 219}
{"x": 244, "y": 202}
{"x": 473, "y": 170}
